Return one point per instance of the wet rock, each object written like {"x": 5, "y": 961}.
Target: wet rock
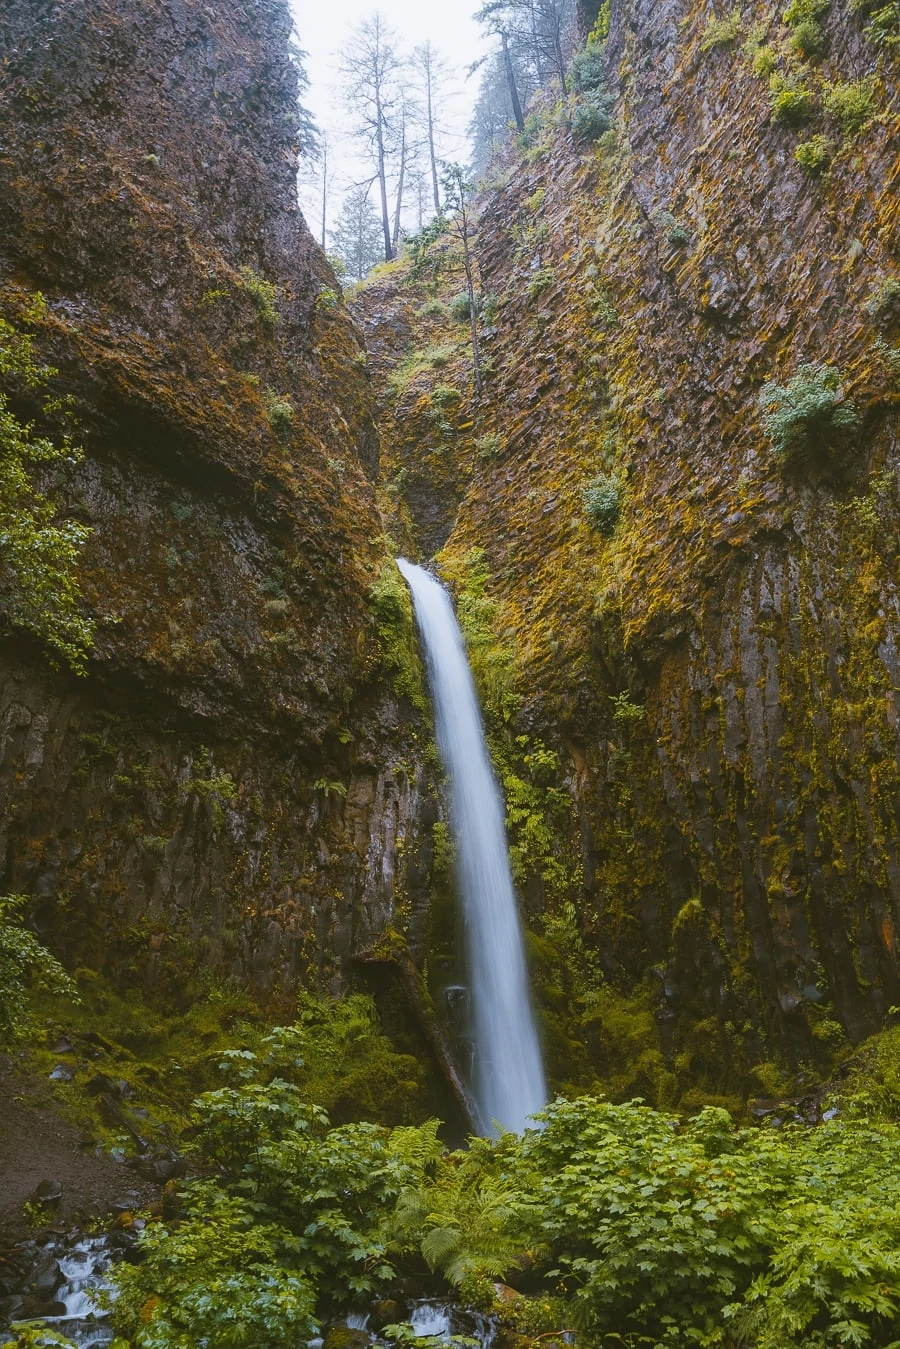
{"x": 46, "y": 1279}
{"x": 63, "y": 1072}
{"x": 47, "y": 1192}
{"x": 346, "y": 1337}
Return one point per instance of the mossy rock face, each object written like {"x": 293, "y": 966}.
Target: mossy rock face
{"x": 737, "y": 835}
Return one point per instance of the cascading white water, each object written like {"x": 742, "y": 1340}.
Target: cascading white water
{"x": 509, "y": 1075}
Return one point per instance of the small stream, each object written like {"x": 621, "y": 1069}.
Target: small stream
{"x": 69, "y": 1270}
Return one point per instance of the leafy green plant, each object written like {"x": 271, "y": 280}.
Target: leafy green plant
{"x": 263, "y": 295}
{"x": 815, "y": 155}
{"x": 758, "y": 50}
{"x": 39, "y": 570}
{"x": 791, "y": 101}
{"x": 37, "y": 1335}
{"x": 883, "y": 26}
{"x": 624, "y": 711}
{"x": 592, "y": 117}
{"x": 488, "y": 446}
{"x": 327, "y": 299}
{"x": 294, "y": 1222}
{"x": 809, "y": 412}
{"x": 279, "y": 412}
{"x": 216, "y": 789}
{"x": 459, "y": 307}
{"x": 540, "y": 281}
{"x": 602, "y": 499}
{"x": 25, "y": 967}
{"x": 884, "y": 298}
{"x": 803, "y": 18}
{"x": 722, "y": 32}
{"x": 587, "y": 72}
{"x": 676, "y": 231}
{"x": 850, "y": 105}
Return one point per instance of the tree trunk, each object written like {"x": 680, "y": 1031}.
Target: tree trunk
{"x": 511, "y": 81}
{"x": 431, "y": 153}
{"x": 395, "y": 240}
{"x": 473, "y": 313}
{"x": 382, "y": 181}
{"x": 324, "y": 187}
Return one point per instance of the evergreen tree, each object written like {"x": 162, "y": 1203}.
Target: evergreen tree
{"x": 357, "y": 236}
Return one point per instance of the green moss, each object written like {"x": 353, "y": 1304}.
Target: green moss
{"x": 391, "y": 606}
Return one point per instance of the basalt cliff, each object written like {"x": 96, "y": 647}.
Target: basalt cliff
{"x": 687, "y": 643}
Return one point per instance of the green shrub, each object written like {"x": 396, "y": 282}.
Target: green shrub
{"x": 850, "y": 105}
{"x": 808, "y": 413}
{"x": 883, "y": 27}
{"x": 790, "y": 100}
{"x": 676, "y": 231}
{"x": 587, "y": 73}
{"x": 814, "y": 155}
{"x": 592, "y": 117}
{"x": 808, "y": 39}
{"x": 488, "y": 446}
{"x": 721, "y": 32}
{"x": 39, "y": 554}
{"x": 602, "y": 500}
{"x": 541, "y": 281}
{"x": 459, "y": 307}
{"x": 263, "y": 294}
{"x": 884, "y": 298}
{"x": 25, "y": 966}
{"x": 279, "y": 412}
{"x": 489, "y": 307}
{"x": 327, "y": 298}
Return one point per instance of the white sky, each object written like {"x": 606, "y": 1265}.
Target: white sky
{"x": 324, "y": 28}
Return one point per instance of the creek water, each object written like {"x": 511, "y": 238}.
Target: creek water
{"x": 509, "y": 1081}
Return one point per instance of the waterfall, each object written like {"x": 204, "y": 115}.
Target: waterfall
{"x": 509, "y": 1076}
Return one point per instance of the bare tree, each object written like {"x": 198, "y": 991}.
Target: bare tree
{"x": 405, "y": 115}
{"x": 432, "y": 75}
{"x": 457, "y": 199}
{"x": 369, "y": 66}
{"x": 545, "y": 29}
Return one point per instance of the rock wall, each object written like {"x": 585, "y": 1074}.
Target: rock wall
{"x": 718, "y": 676}
{"x": 235, "y": 784}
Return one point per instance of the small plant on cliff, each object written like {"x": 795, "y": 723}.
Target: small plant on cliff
{"x": 602, "y": 500}
{"x": 540, "y": 281}
{"x": 25, "y": 966}
{"x": 279, "y": 412}
{"x": 803, "y": 18}
{"x": 809, "y": 412}
{"x": 884, "y": 298}
{"x": 850, "y": 105}
{"x": 263, "y": 294}
{"x": 39, "y": 555}
{"x": 676, "y": 232}
{"x": 790, "y": 100}
{"x": 592, "y": 117}
{"x": 815, "y": 155}
{"x": 722, "y": 32}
